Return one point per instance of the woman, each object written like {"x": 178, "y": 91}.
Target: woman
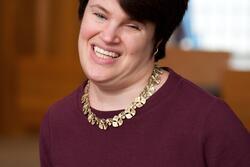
{"x": 130, "y": 112}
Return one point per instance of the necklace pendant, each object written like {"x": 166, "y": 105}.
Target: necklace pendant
{"x": 102, "y": 124}
{"x": 91, "y": 118}
{"x": 109, "y": 121}
{"x": 129, "y": 113}
{"x": 117, "y": 121}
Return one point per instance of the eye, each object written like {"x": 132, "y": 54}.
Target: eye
{"x": 133, "y": 26}
{"x": 100, "y": 16}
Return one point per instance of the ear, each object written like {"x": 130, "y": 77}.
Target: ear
{"x": 156, "y": 47}
{"x": 158, "y": 43}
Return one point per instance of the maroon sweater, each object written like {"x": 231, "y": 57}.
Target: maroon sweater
{"x": 179, "y": 126}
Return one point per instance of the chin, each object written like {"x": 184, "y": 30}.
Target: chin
{"x": 97, "y": 75}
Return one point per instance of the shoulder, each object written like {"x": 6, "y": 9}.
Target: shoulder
{"x": 223, "y": 136}
{"x": 68, "y": 106}
{"x": 188, "y": 95}
{"x": 68, "y": 101}
{"x": 225, "y": 139}
{"x": 196, "y": 106}
{"x": 222, "y": 121}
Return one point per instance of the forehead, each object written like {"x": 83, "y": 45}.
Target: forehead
{"x": 113, "y": 9}
{"x": 108, "y": 6}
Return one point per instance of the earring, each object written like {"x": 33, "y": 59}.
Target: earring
{"x": 155, "y": 52}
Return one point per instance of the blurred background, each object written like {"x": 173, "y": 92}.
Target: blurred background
{"x": 39, "y": 63}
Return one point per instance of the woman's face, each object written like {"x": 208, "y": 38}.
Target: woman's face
{"x": 113, "y": 48}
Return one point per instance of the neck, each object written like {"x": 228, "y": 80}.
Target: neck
{"x": 104, "y": 99}
{"x": 111, "y": 97}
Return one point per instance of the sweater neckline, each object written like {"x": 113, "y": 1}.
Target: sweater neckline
{"x": 165, "y": 92}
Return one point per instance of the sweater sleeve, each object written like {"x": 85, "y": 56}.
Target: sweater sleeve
{"x": 44, "y": 143}
{"x": 226, "y": 142}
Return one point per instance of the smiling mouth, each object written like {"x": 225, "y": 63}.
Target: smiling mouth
{"x": 102, "y": 53}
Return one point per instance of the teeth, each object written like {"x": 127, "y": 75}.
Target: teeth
{"x": 102, "y": 53}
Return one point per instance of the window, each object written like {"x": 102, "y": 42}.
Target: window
{"x": 221, "y": 25}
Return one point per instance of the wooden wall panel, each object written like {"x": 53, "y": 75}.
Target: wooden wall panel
{"x": 236, "y": 92}
{"x": 41, "y": 83}
{"x": 201, "y": 67}
{"x": 1, "y": 67}
{"x": 63, "y": 26}
{"x": 24, "y": 27}
{"x": 9, "y": 116}
{"x": 35, "y": 35}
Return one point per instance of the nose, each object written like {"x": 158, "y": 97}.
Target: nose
{"x": 110, "y": 34}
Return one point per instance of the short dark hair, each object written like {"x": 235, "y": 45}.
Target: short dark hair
{"x": 165, "y": 14}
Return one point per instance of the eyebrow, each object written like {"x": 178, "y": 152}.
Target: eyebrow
{"x": 99, "y": 7}
{"x": 106, "y": 11}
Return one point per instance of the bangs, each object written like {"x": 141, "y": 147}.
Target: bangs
{"x": 141, "y": 10}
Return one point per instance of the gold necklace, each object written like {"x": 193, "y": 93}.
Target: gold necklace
{"x": 128, "y": 112}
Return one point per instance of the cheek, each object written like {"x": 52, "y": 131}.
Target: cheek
{"x": 139, "y": 46}
{"x": 88, "y": 30}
